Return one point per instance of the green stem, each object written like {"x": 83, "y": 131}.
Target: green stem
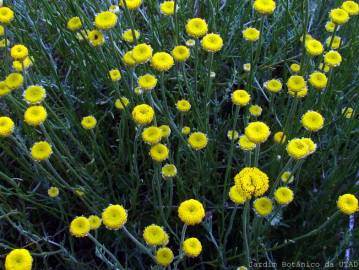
{"x": 245, "y": 217}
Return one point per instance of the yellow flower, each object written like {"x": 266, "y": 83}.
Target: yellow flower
{"x": 152, "y": 135}
{"x": 351, "y": 7}
{"x": 6, "y": 15}
{"x": 88, "y": 122}
{"x": 95, "y": 38}
{"x": 4, "y": 43}
{"x": 130, "y": 4}
{"x": 128, "y": 35}
{"x": 295, "y": 68}
{"x": 191, "y": 212}
{"x": 168, "y": 171}
{"x": 311, "y": 145}
{"x": 121, "y": 103}
{"x": 186, "y": 130}
{"x": 236, "y": 196}
{"x": 300, "y": 94}
{"x": 279, "y": 137}
{"x": 318, "y": 80}
{"x": 198, "y": 140}
{"x": 251, "y": 181}
{"x": 53, "y": 192}
{"x": 142, "y": 53}
{"x": 6, "y": 126}
{"x": 232, "y": 135}
{"x": 335, "y": 43}
{"x": 159, "y": 152}
{"x": 154, "y": 235}
{"x": 14, "y": 80}
{"x": 164, "y": 256}
{"x": 167, "y": 8}
{"x": 240, "y": 97}
{"x": 180, "y": 53}
{"x": 165, "y": 130}
{"x": 332, "y": 59}
{"x": 251, "y": 34}
{"x": 19, "y": 52}
{"x": 212, "y": 43}
{"x": 263, "y": 206}
{"x": 128, "y": 59}
{"x": 196, "y": 27}
{"x": 312, "y": 121}
{"x": 245, "y": 144}
{"x": 183, "y": 105}
{"x": 143, "y": 114}
{"x": 190, "y": 42}
{"x": 74, "y": 24}
{"x": 287, "y": 177}
{"x": 95, "y": 222}
{"x": 255, "y": 110}
{"x": 4, "y": 89}
{"x": 147, "y": 82}
{"x": 283, "y": 195}
{"x": 296, "y": 83}
{"x": 18, "y": 259}
{"x": 297, "y": 148}
{"x": 115, "y": 75}
{"x": 114, "y": 9}
{"x": 22, "y": 64}
{"x": 257, "y": 132}
{"x": 247, "y": 67}
{"x": 324, "y": 68}
{"x": 35, "y": 115}
{"x": 114, "y": 217}
{"x": 273, "y": 85}
{"x": 41, "y": 150}
{"x": 192, "y": 247}
{"x": 330, "y": 26}
{"x": 348, "y": 112}
{"x": 339, "y": 16}
{"x": 264, "y": 7}
{"x": 348, "y": 204}
{"x": 314, "y": 47}
{"x": 105, "y": 20}
{"x": 80, "y": 227}
{"x": 162, "y": 61}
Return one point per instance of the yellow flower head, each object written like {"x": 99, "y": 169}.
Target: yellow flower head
{"x": 273, "y": 85}
{"x": 240, "y": 97}
{"x": 335, "y": 44}
{"x": 74, "y": 24}
{"x": 167, "y": 8}
{"x": 283, "y": 195}
{"x": 152, "y": 135}
{"x": 196, "y": 27}
{"x": 347, "y": 204}
{"x": 339, "y": 16}
{"x": 198, "y": 140}
{"x": 295, "y": 67}
{"x": 159, "y": 152}
{"x": 247, "y": 67}
{"x": 300, "y": 94}
{"x": 41, "y": 151}
{"x": 314, "y": 47}
{"x": 324, "y": 68}
{"x": 154, "y": 235}
{"x": 168, "y": 171}
{"x": 263, "y": 206}
{"x": 236, "y": 196}
{"x": 287, "y": 177}
{"x": 18, "y": 259}
{"x": 232, "y": 135}
{"x": 297, "y": 148}
{"x": 191, "y": 212}
{"x": 255, "y": 110}
{"x": 147, "y": 82}
{"x": 96, "y": 38}
{"x": 183, "y": 105}
{"x": 162, "y": 61}
{"x": 128, "y": 59}
{"x": 251, "y": 181}
{"x": 121, "y": 103}
{"x": 332, "y": 59}
{"x": 296, "y": 83}
{"x": 212, "y": 43}
{"x": 164, "y": 256}
{"x": 6, "y": 126}
{"x": 114, "y": 9}
{"x": 105, "y": 20}
{"x": 190, "y": 42}
{"x": 192, "y": 247}
{"x": 318, "y": 80}
{"x": 14, "y": 81}
{"x": 6, "y": 15}
{"x": 19, "y": 52}
{"x": 257, "y": 132}
{"x": 264, "y": 7}
{"x": 4, "y": 43}
{"x": 245, "y": 144}
{"x": 19, "y": 65}
{"x": 35, "y": 115}
{"x": 114, "y": 217}
{"x": 4, "y": 89}
{"x": 279, "y": 137}
{"x": 143, "y": 114}
{"x": 251, "y": 34}
{"x": 130, "y": 4}
{"x": 180, "y": 53}
{"x": 165, "y": 130}
{"x": 80, "y": 227}
{"x": 128, "y": 35}
{"x": 88, "y": 122}
{"x": 330, "y": 26}
{"x": 115, "y": 75}
{"x": 351, "y": 7}
{"x": 53, "y": 192}
{"x": 311, "y": 145}
{"x": 186, "y": 130}
{"x": 142, "y": 53}
{"x": 348, "y": 112}
{"x": 312, "y": 121}
{"x": 95, "y": 222}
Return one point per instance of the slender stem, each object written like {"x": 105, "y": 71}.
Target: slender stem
{"x": 256, "y": 155}
{"x": 245, "y": 217}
